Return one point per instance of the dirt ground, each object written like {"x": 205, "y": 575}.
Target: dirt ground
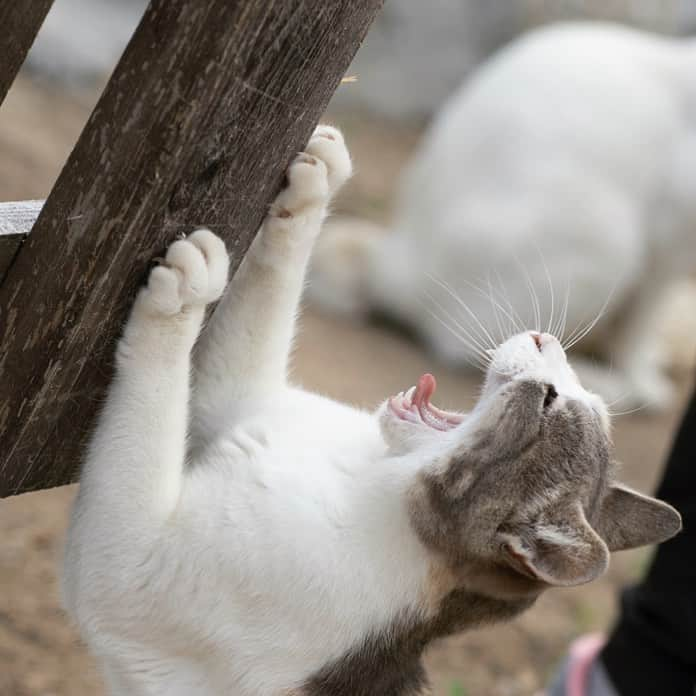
{"x": 40, "y": 654}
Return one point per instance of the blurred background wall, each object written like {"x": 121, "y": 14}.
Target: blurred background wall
{"x": 417, "y": 52}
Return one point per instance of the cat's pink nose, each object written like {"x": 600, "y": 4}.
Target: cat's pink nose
{"x": 541, "y": 339}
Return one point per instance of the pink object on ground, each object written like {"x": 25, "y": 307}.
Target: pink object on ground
{"x": 583, "y": 652}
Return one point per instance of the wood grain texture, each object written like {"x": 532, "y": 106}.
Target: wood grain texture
{"x": 195, "y": 128}
{"x": 19, "y": 24}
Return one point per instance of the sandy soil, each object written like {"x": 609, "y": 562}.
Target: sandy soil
{"x": 40, "y": 654}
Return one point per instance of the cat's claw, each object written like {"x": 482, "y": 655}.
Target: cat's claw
{"x": 193, "y": 273}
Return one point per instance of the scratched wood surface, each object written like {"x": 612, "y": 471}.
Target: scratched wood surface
{"x": 19, "y": 24}
{"x": 207, "y": 106}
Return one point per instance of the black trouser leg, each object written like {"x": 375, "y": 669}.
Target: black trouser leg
{"x": 652, "y": 650}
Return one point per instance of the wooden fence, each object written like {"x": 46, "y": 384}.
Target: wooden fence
{"x": 206, "y": 107}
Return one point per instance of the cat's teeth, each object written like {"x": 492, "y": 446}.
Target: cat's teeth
{"x": 429, "y": 418}
{"x": 410, "y": 393}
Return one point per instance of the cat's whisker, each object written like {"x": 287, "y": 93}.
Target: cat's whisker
{"x": 536, "y": 306}
{"x": 549, "y": 325}
{"x": 474, "y": 336}
{"x": 491, "y": 297}
{"x": 615, "y": 414}
{"x": 556, "y": 324}
{"x": 464, "y": 306}
{"x": 483, "y": 336}
{"x": 591, "y": 326}
{"x": 482, "y": 358}
{"x": 581, "y": 327}
{"x": 572, "y": 334}
{"x": 519, "y": 324}
{"x": 473, "y": 360}
{"x": 494, "y": 307}
{"x": 564, "y": 314}
{"x": 619, "y": 398}
{"x": 473, "y": 340}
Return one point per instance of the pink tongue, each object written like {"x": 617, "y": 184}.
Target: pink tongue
{"x": 424, "y": 390}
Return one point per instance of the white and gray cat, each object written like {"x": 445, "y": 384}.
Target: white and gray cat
{"x": 567, "y": 161}
{"x": 236, "y": 535}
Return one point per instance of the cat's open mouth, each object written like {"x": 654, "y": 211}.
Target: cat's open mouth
{"x": 414, "y": 406}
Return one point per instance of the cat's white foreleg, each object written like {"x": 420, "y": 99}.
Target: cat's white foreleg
{"x": 244, "y": 350}
{"x": 137, "y": 453}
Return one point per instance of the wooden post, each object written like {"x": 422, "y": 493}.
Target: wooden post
{"x": 195, "y": 128}
{"x": 19, "y": 24}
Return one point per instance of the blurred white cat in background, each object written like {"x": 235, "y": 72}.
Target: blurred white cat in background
{"x": 556, "y": 190}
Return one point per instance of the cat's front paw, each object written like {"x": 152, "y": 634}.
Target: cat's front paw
{"x": 328, "y": 145}
{"x": 193, "y": 273}
{"x": 314, "y": 175}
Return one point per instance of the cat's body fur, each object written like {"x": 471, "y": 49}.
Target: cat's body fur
{"x": 235, "y": 535}
{"x": 570, "y": 154}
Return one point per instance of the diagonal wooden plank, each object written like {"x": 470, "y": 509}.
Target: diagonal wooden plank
{"x": 203, "y": 113}
{"x": 19, "y": 24}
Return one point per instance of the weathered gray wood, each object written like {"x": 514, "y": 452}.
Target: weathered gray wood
{"x": 18, "y": 217}
{"x": 202, "y": 115}
{"x": 16, "y": 220}
{"x": 20, "y": 21}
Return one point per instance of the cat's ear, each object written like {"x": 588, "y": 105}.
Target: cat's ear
{"x": 628, "y": 519}
{"x": 559, "y": 549}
